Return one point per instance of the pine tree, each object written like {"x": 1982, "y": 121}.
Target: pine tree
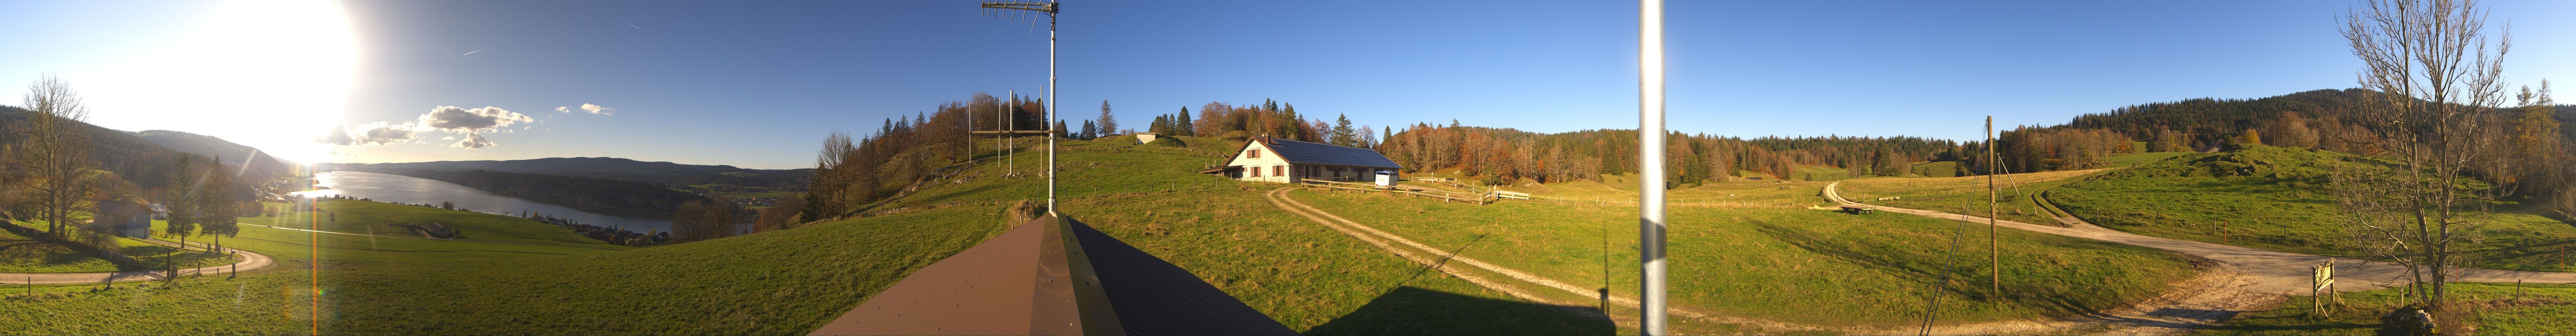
{"x": 1108, "y": 124}
{"x": 1181, "y": 124}
{"x": 1090, "y": 131}
{"x": 1343, "y": 135}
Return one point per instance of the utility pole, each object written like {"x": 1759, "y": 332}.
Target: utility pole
{"x": 1994, "y": 256}
{"x": 1650, "y": 162}
{"x": 1050, "y": 8}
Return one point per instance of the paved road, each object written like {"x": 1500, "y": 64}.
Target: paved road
{"x": 2244, "y": 279}
{"x": 250, "y": 261}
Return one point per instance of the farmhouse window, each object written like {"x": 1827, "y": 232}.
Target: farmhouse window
{"x": 1279, "y": 170}
{"x": 1256, "y": 171}
{"x": 1254, "y": 153}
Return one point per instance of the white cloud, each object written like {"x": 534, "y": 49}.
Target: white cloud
{"x": 563, "y": 109}
{"x": 453, "y": 119}
{"x": 599, "y": 110}
{"x": 472, "y": 141}
{"x": 447, "y": 138}
{"x": 370, "y": 134}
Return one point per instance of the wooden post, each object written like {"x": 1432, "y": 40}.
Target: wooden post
{"x": 1994, "y": 255}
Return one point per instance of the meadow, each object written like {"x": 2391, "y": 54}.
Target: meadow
{"x": 1965, "y": 194}
{"x": 790, "y": 281}
{"x": 1785, "y": 264}
{"x": 19, "y": 254}
{"x": 2279, "y": 199}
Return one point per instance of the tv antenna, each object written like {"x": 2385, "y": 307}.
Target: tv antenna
{"x": 1050, "y": 8}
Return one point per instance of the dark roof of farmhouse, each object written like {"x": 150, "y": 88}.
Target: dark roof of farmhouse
{"x": 1307, "y": 152}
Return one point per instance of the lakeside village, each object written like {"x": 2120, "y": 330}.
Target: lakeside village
{"x": 610, "y": 234}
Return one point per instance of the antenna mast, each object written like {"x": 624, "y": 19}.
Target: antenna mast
{"x": 1050, "y": 8}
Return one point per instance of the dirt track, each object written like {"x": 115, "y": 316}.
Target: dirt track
{"x": 2247, "y": 278}
{"x": 250, "y": 261}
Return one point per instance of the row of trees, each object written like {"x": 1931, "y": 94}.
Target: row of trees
{"x": 1504, "y": 156}
{"x": 707, "y": 219}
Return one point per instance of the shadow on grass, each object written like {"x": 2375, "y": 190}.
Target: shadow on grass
{"x": 1412, "y": 310}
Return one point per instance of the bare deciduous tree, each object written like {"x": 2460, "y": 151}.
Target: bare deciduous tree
{"x": 56, "y": 152}
{"x": 2435, "y": 78}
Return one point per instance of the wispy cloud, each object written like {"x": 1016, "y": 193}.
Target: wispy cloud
{"x": 600, "y": 110}
{"x": 472, "y": 52}
{"x": 629, "y": 24}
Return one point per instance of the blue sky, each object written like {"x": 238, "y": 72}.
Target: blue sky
{"x": 757, "y": 84}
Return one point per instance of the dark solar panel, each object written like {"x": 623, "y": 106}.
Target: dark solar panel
{"x": 1315, "y": 153}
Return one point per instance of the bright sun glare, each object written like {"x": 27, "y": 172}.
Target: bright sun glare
{"x": 267, "y": 74}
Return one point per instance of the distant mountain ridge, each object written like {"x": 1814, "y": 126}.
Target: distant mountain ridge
{"x": 210, "y": 146}
{"x": 608, "y": 168}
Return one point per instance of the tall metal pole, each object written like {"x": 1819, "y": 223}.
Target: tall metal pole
{"x": 1051, "y": 121}
{"x": 1650, "y": 161}
{"x": 1994, "y": 256}
{"x": 1011, "y": 141}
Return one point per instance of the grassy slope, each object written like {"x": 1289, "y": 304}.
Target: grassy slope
{"x": 274, "y": 301}
{"x": 19, "y": 254}
{"x": 2286, "y": 205}
{"x": 788, "y": 282}
{"x": 1779, "y": 263}
{"x": 1965, "y": 194}
{"x": 2541, "y": 310}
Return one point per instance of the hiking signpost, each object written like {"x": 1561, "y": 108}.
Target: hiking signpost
{"x": 2320, "y": 286}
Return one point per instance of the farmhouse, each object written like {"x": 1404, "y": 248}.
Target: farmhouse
{"x": 129, "y": 219}
{"x": 1269, "y": 159}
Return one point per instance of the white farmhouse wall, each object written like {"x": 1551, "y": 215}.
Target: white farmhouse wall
{"x": 1267, "y": 160}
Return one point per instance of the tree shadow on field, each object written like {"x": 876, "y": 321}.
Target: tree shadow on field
{"x": 1409, "y": 310}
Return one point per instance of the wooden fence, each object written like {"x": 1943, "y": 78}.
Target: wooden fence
{"x": 1443, "y": 195}
{"x": 1498, "y": 192}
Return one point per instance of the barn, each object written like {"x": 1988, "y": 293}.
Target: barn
{"x": 1269, "y": 159}
{"x": 128, "y": 219}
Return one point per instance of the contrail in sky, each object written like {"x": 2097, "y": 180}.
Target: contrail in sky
{"x": 629, "y": 24}
{"x": 472, "y": 52}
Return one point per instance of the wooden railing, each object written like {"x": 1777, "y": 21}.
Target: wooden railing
{"x": 1443, "y": 195}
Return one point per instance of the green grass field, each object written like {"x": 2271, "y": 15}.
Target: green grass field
{"x": 2285, "y": 204}
{"x": 1784, "y": 264}
{"x": 788, "y": 282}
{"x": 2502, "y": 309}
{"x": 1965, "y": 194}
{"x": 19, "y": 254}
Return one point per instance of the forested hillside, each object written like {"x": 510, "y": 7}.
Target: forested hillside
{"x": 2525, "y": 147}
{"x": 582, "y": 190}
{"x": 261, "y": 163}
{"x": 142, "y": 168}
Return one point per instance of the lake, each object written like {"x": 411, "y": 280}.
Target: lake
{"x": 414, "y": 190}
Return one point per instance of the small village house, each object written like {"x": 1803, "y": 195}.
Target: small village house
{"x": 1269, "y": 159}
{"x": 129, "y": 219}
{"x": 1145, "y": 137}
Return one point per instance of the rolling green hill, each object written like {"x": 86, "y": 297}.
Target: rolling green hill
{"x": 787, "y": 282}
{"x": 2279, "y": 199}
